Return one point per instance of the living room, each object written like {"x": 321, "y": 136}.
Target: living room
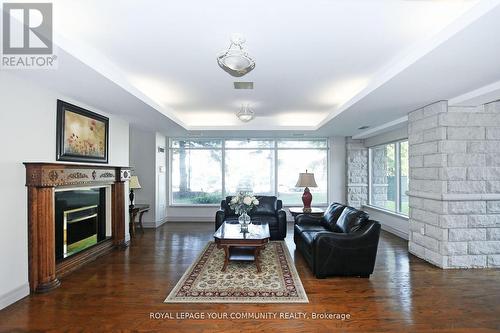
{"x": 223, "y": 166}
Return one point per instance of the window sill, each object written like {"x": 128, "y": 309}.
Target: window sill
{"x": 385, "y": 211}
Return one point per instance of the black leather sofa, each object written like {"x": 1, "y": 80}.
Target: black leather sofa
{"x": 268, "y": 210}
{"x": 341, "y": 243}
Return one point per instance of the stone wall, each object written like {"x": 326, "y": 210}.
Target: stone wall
{"x": 455, "y": 185}
{"x": 380, "y": 182}
{"x": 357, "y": 173}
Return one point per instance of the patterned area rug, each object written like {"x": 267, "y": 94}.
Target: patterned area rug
{"x": 204, "y": 282}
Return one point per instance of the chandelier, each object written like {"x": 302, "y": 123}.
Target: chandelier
{"x": 235, "y": 60}
{"x": 245, "y": 114}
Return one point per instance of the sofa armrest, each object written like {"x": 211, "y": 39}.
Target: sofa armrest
{"x": 220, "y": 216}
{"x": 304, "y": 219}
{"x": 282, "y": 223}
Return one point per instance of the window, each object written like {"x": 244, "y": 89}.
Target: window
{"x": 205, "y": 171}
{"x": 389, "y": 176}
{"x": 196, "y": 172}
{"x": 249, "y": 166}
{"x": 298, "y": 156}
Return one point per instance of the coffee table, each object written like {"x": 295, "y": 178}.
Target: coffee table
{"x": 242, "y": 246}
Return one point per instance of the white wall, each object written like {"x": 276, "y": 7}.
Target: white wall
{"x": 394, "y": 135}
{"x": 337, "y": 172}
{"x": 161, "y": 179}
{"x": 393, "y": 223}
{"x": 142, "y": 162}
{"x": 28, "y": 133}
{"x": 150, "y": 166}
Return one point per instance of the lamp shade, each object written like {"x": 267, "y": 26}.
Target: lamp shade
{"x": 134, "y": 182}
{"x": 306, "y": 179}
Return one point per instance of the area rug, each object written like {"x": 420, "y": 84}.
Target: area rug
{"x": 204, "y": 282}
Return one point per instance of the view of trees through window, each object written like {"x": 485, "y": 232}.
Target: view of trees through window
{"x": 389, "y": 176}
{"x": 205, "y": 171}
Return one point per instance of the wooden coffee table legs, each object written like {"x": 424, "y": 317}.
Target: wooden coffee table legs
{"x": 226, "y": 258}
{"x": 241, "y": 253}
{"x": 256, "y": 256}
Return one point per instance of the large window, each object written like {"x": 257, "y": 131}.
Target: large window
{"x": 389, "y": 176}
{"x": 301, "y": 156}
{"x": 196, "y": 171}
{"x": 205, "y": 171}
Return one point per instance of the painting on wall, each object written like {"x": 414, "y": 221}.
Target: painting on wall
{"x": 82, "y": 135}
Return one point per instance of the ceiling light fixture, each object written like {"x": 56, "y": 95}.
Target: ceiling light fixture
{"x": 235, "y": 60}
{"x": 245, "y": 114}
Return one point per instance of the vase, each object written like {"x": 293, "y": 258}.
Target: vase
{"x": 244, "y": 221}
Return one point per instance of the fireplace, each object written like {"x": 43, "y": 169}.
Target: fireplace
{"x": 76, "y": 213}
{"x": 80, "y": 220}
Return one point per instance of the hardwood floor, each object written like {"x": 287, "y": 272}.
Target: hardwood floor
{"x": 119, "y": 291}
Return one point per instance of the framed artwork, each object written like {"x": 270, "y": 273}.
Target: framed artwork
{"x": 82, "y": 135}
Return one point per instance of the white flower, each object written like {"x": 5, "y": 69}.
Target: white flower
{"x": 247, "y": 201}
{"x": 255, "y": 202}
{"x": 234, "y": 200}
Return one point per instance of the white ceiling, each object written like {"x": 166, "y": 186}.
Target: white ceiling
{"x": 328, "y": 66}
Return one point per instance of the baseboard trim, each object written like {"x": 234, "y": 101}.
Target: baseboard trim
{"x": 152, "y": 225}
{"x": 14, "y": 295}
{"x": 395, "y": 231}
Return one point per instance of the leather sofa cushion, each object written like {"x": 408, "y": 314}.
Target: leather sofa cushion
{"x": 351, "y": 220}
{"x": 331, "y": 216}
{"x": 268, "y": 205}
{"x": 299, "y": 228}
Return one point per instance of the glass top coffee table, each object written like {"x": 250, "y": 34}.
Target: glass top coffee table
{"x": 242, "y": 246}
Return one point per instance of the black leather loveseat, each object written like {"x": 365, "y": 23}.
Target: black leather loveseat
{"x": 268, "y": 210}
{"x": 343, "y": 242}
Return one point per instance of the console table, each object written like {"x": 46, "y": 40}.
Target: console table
{"x": 135, "y": 210}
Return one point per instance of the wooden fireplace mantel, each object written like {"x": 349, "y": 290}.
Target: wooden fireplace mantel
{"x": 42, "y": 179}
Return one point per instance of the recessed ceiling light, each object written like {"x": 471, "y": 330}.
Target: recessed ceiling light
{"x": 363, "y": 127}
{"x": 243, "y": 85}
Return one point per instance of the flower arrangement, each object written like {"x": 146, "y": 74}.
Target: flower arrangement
{"x": 243, "y": 202}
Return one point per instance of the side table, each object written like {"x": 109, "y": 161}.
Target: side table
{"x": 316, "y": 212}
{"x": 135, "y": 210}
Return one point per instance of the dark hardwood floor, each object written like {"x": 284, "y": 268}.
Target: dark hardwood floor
{"x": 119, "y": 291}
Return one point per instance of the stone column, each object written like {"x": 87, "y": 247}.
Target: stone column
{"x": 357, "y": 173}
{"x": 454, "y": 191}
{"x": 380, "y": 182}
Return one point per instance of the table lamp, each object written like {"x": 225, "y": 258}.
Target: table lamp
{"x": 306, "y": 180}
{"x": 134, "y": 184}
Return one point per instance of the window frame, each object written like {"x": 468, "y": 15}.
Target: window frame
{"x": 274, "y": 147}
{"x": 397, "y": 160}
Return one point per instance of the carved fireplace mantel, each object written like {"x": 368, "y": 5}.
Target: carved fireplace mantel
{"x": 42, "y": 179}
